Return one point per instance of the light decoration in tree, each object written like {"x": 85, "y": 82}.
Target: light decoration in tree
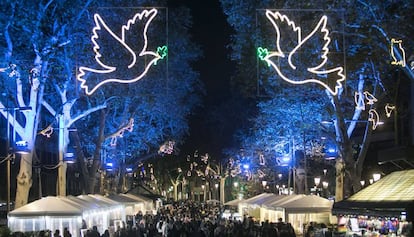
{"x": 388, "y": 109}
{"x": 167, "y": 148}
{"x": 397, "y": 45}
{"x": 359, "y": 100}
{"x": 318, "y": 69}
{"x": 262, "y": 160}
{"x": 370, "y": 98}
{"x": 374, "y": 117}
{"x": 112, "y": 70}
{"x": 47, "y": 132}
{"x": 120, "y": 133}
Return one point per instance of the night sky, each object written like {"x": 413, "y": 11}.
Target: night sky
{"x": 211, "y": 31}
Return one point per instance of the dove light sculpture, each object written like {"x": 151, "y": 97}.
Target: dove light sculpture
{"x": 102, "y": 28}
{"x": 319, "y": 69}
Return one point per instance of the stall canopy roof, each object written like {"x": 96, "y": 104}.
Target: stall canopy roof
{"x": 307, "y": 204}
{"x": 390, "y": 195}
{"x": 63, "y": 206}
{"x": 234, "y": 202}
{"x": 260, "y": 199}
{"x": 296, "y": 203}
{"x": 47, "y": 206}
{"x": 127, "y": 198}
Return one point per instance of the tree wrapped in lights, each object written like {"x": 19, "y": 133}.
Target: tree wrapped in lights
{"x": 39, "y": 69}
{"x": 362, "y": 35}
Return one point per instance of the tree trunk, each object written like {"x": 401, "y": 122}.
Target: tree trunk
{"x": 24, "y": 180}
{"x": 175, "y": 185}
{"x": 222, "y": 192}
{"x": 96, "y": 164}
{"x": 339, "y": 188}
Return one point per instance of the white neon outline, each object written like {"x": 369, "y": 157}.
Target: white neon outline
{"x": 373, "y": 117}
{"x": 370, "y": 98}
{"x": 99, "y": 23}
{"x": 395, "y": 61}
{"x": 262, "y": 160}
{"x": 388, "y": 109}
{"x": 272, "y": 17}
{"x": 359, "y": 100}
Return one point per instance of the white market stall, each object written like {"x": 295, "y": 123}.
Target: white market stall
{"x": 51, "y": 213}
{"x": 133, "y": 205}
{"x": 307, "y": 208}
{"x": 295, "y": 209}
{"x": 254, "y": 206}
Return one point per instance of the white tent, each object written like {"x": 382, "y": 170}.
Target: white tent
{"x": 47, "y": 213}
{"x": 51, "y": 213}
{"x": 295, "y": 209}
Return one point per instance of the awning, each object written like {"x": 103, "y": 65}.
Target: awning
{"x": 392, "y": 195}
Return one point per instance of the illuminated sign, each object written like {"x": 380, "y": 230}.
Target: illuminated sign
{"x": 396, "y": 48}
{"x": 319, "y": 66}
{"x": 110, "y": 69}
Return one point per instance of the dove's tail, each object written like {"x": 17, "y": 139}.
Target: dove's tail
{"x": 90, "y": 85}
{"x": 336, "y": 74}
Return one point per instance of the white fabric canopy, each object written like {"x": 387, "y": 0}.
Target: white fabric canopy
{"x": 47, "y": 206}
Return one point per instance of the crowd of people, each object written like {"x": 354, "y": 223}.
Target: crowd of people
{"x": 182, "y": 219}
{"x": 188, "y": 219}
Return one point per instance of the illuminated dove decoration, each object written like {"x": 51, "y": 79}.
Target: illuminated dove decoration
{"x": 112, "y": 51}
{"x": 296, "y": 68}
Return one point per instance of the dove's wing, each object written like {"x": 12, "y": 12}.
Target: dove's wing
{"x": 279, "y": 21}
{"x": 112, "y": 40}
{"x": 134, "y": 28}
{"x": 319, "y": 54}
{"x": 322, "y": 32}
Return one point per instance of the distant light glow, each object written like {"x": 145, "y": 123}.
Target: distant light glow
{"x": 274, "y": 18}
{"x": 397, "y": 43}
{"x": 106, "y": 69}
{"x": 246, "y": 166}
